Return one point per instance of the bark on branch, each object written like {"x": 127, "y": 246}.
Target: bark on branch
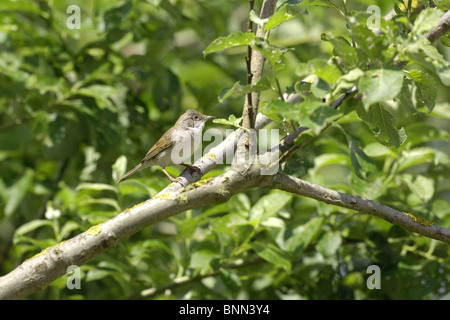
{"x": 52, "y": 263}
{"x": 402, "y": 219}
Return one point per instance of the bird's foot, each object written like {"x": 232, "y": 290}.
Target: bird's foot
{"x": 177, "y": 180}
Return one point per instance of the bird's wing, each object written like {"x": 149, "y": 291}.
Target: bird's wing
{"x": 156, "y": 149}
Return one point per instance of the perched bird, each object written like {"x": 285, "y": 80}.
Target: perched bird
{"x": 166, "y": 151}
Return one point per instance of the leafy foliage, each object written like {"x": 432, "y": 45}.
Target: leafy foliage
{"x": 80, "y": 106}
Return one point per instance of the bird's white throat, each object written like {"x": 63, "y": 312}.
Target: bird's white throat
{"x": 179, "y": 135}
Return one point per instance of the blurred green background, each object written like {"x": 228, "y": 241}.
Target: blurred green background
{"x": 76, "y": 104}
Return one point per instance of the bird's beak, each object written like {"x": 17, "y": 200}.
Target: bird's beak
{"x": 210, "y": 117}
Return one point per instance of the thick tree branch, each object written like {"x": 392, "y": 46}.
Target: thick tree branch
{"x": 405, "y": 220}
{"x": 52, "y": 263}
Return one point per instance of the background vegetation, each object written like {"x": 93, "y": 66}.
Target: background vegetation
{"x": 77, "y": 106}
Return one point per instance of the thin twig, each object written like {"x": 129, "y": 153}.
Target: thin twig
{"x": 442, "y": 28}
{"x": 248, "y": 58}
{"x": 256, "y": 69}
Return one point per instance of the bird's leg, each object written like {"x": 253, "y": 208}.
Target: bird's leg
{"x": 194, "y": 168}
{"x": 170, "y": 177}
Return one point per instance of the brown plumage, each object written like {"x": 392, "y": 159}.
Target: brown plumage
{"x": 187, "y": 125}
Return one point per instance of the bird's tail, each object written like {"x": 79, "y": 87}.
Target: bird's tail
{"x": 129, "y": 173}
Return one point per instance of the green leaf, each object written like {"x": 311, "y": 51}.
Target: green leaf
{"x": 234, "y": 39}
{"x": 272, "y": 53}
{"x": 423, "y": 53}
{"x": 269, "y": 205}
{"x": 420, "y": 133}
{"x": 225, "y": 93}
{"x": 17, "y": 192}
{"x": 273, "y": 222}
{"x": 426, "y": 93}
{"x": 256, "y": 19}
{"x": 32, "y": 225}
{"x": 415, "y": 156}
{"x": 378, "y": 150}
{"x": 443, "y": 4}
{"x": 230, "y": 278}
{"x": 285, "y": 13}
{"x": 103, "y": 94}
{"x": 91, "y": 156}
{"x": 322, "y": 68}
{"x": 116, "y": 15}
{"x": 305, "y": 136}
{"x": 397, "y": 10}
{"x": 186, "y": 227}
{"x": 96, "y": 187}
{"x": 421, "y": 186}
{"x": 102, "y": 201}
{"x": 97, "y": 274}
{"x": 444, "y": 75}
{"x": 405, "y": 97}
{"x": 445, "y": 39}
{"x": 68, "y": 227}
{"x": 313, "y": 115}
{"x": 329, "y": 244}
{"x": 232, "y": 121}
{"x": 119, "y": 167}
{"x": 97, "y": 90}
{"x": 362, "y": 164}
{"x": 23, "y": 6}
{"x": 272, "y": 254}
{"x": 319, "y": 88}
{"x": 426, "y": 20}
{"x": 322, "y": 3}
{"x": 276, "y": 109}
{"x": 380, "y": 85}
{"x": 343, "y": 49}
{"x": 367, "y": 189}
{"x": 330, "y": 159}
{"x": 201, "y": 259}
{"x": 422, "y": 46}
{"x": 382, "y": 122}
{"x": 348, "y": 80}
{"x": 227, "y": 223}
{"x": 239, "y": 89}
{"x": 123, "y": 42}
{"x": 304, "y": 235}
{"x": 370, "y": 47}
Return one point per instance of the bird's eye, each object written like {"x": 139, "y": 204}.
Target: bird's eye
{"x": 196, "y": 118}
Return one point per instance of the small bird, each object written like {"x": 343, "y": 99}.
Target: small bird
{"x": 182, "y": 135}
